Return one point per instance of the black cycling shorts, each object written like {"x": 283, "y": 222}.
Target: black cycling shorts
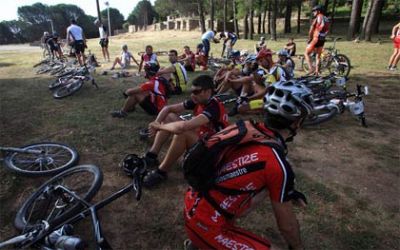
{"x": 104, "y": 43}
{"x": 79, "y": 47}
{"x": 148, "y": 106}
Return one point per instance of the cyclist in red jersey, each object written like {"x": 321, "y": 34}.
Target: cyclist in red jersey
{"x": 394, "y": 59}
{"x": 151, "y": 96}
{"x": 208, "y": 118}
{"x": 149, "y": 58}
{"x": 187, "y": 59}
{"x": 256, "y": 170}
{"x": 318, "y": 31}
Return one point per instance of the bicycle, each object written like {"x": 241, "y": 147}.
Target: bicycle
{"x": 63, "y": 201}
{"x": 69, "y": 86}
{"x": 39, "y": 159}
{"x": 330, "y": 60}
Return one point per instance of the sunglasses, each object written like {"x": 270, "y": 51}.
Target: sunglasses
{"x": 196, "y": 91}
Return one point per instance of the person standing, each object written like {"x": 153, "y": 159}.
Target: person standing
{"x": 77, "y": 40}
{"x": 318, "y": 31}
{"x": 103, "y": 39}
{"x": 394, "y": 59}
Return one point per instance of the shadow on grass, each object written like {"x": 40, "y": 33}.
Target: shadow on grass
{"x": 6, "y": 64}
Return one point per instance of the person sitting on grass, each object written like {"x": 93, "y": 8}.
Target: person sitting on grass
{"x": 187, "y": 59}
{"x": 151, "y": 96}
{"x": 290, "y": 47}
{"x": 287, "y": 63}
{"x": 261, "y": 44}
{"x": 201, "y": 59}
{"x": 125, "y": 60}
{"x": 209, "y": 118}
{"x": 148, "y": 58}
{"x": 177, "y": 72}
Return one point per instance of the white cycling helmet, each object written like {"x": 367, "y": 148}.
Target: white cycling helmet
{"x": 290, "y": 100}
{"x": 251, "y": 58}
{"x": 283, "y": 52}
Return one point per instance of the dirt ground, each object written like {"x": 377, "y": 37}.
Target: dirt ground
{"x": 349, "y": 173}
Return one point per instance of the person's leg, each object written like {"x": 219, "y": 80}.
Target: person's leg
{"x": 396, "y": 58}
{"x": 116, "y": 61}
{"x": 309, "y": 50}
{"x": 79, "y": 57}
{"x": 132, "y": 100}
{"x": 162, "y": 136}
{"x": 318, "y": 59}
{"x": 103, "y": 50}
{"x": 107, "y": 53}
{"x": 180, "y": 143}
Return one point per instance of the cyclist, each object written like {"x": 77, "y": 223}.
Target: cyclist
{"x": 103, "y": 39}
{"x": 230, "y": 39}
{"x": 257, "y": 169}
{"x": 209, "y": 118}
{"x": 151, "y": 96}
{"x": 201, "y": 59}
{"x": 286, "y": 62}
{"x": 394, "y": 59}
{"x": 53, "y": 44}
{"x": 77, "y": 40}
{"x": 205, "y": 40}
{"x": 148, "y": 58}
{"x": 188, "y": 59}
{"x": 290, "y": 47}
{"x": 261, "y": 44}
{"x": 125, "y": 60}
{"x": 177, "y": 71}
{"x": 317, "y": 34}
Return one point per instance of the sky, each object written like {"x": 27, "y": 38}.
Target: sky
{"x": 9, "y": 9}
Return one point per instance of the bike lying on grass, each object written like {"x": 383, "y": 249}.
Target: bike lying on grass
{"x": 70, "y": 84}
{"x": 39, "y": 159}
{"x": 46, "y": 217}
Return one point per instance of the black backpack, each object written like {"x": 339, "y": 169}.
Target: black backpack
{"x": 201, "y": 162}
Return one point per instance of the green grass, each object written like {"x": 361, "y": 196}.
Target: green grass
{"x": 348, "y": 173}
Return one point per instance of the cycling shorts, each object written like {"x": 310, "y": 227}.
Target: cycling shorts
{"x": 316, "y": 43}
{"x": 396, "y": 42}
{"x": 148, "y": 106}
{"x": 104, "y": 43}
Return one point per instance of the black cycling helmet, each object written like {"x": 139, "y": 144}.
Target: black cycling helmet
{"x": 200, "y": 46}
{"x": 132, "y": 162}
{"x": 318, "y": 7}
{"x": 151, "y": 69}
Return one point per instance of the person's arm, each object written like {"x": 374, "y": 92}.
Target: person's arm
{"x": 182, "y": 126}
{"x": 133, "y": 59}
{"x": 68, "y": 36}
{"x": 167, "y": 70}
{"x": 241, "y": 80}
{"x": 173, "y": 108}
{"x": 394, "y": 30}
{"x": 140, "y": 65}
{"x": 287, "y": 223}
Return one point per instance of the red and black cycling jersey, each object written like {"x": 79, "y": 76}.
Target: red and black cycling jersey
{"x": 157, "y": 92}
{"x": 215, "y": 112}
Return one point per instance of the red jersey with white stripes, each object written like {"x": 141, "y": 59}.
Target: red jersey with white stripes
{"x": 321, "y": 26}
{"x": 157, "y": 92}
{"x": 150, "y": 58}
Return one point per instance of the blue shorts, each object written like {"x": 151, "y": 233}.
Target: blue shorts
{"x": 206, "y": 46}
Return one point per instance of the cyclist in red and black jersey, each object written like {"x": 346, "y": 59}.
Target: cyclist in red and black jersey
{"x": 253, "y": 170}
{"x": 151, "y": 96}
{"x": 209, "y": 117}
{"x": 149, "y": 58}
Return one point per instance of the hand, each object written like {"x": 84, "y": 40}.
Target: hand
{"x": 392, "y": 37}
{"x": 153, "y": 128}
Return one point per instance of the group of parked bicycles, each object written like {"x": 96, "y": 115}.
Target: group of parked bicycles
{"x": 70, "y": 77}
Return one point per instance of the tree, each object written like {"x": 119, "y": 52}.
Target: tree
{"x": 259, "y": 8}
{"x": 269, "y": 16}
{"x": 6, "y": 35}
{"x": 366, "y": 18}
{"x": 273, "y": 19}
{"x": 378, "y": 18}
{"x": 201, "y": 15}
{"x": 225, "y": 13}
{"x": 355, "y": 18}
{"x": 371, "y": 24}
{"x": 235, "y": 20}
{"x": 288, "y": 17}
{"x": 212, "y": 13}
{"x": 246, "y": 25}
{"x": 251, "y": 31}
{"x": 144, "y": 14}
{"x": 116, "y": 18}
{"x": 264, "y": 17}
{"x": 299, "y": 3}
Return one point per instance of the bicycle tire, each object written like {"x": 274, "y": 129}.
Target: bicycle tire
{"x": 68, "y": 89}
{"x": 320, "y": 118}
{"x": 44, "y": 164}
{"x": 344, "y": 62}
{"x": 74, "y": 179}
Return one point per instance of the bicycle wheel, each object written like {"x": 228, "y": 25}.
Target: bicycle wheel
{"x": 340, "y": 65}
{"x": 68, "y": 89}
{"x": 320, "y": 116}
{"x": 55, "y": 207}
{"x": 55, "y": 157}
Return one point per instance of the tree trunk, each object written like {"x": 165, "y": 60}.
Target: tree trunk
{"x": 269, "y": 15}
{"x": 264, "y": 17}
{"x": 274, "y": 15}
{"x": 333, "y": 15}
{"x": 98, "y": 11}
{"x": 212, "y": 13}
{"x": 246, "y": 26}
{"x": 259, "y": 17}
{"x": 380, "y": 8}
{"x": 372, "y": 20}
{"x": 201, "y": 15}
{"x": 235, "y": 21}
{"x": 251, "y": 20}
{"x": 355, "y": 17}
{"x": 299, "y": 2}
{"x": 288, "y": 17}
{"x": 326, "y": 4}
{"x": 366, "y": 18}
{"x": 225, "y": 13}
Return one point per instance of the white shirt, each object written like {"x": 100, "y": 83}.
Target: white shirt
{"x": 76, "y": 31}
{"x": 102, "y": 32}
{"x": 209, "y": 35}
{"x": 125, "y": 58}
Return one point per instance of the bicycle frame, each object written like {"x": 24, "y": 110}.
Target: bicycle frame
{"x": 20, "y": 150}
